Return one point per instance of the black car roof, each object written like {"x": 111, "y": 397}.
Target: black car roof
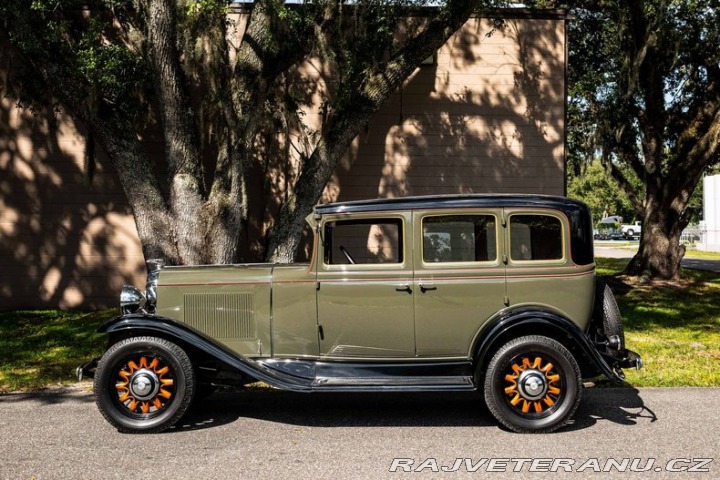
{"x": 451, "y": 201}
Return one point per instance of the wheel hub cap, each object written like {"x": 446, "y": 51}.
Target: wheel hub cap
{"x": 532, "y": 385}
{"x": 144, "y": 384}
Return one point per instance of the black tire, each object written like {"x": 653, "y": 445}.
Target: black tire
{"x": 630, "y": 233}
{"x": 553, "y": 405}
{"x": 155, "y": 366}
{"x": 608, "y": 315}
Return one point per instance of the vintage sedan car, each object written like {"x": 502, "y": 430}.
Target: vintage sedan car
{"x": 489, "y": 293}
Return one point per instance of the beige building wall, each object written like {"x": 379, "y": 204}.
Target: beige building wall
{"x": 487, "y": 116}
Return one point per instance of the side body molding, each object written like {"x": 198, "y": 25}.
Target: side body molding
{"x": 531, "y": 321}
{"x": 140, "y": 323}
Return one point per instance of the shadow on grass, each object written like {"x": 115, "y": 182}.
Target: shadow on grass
{"x": 691, "y": 304}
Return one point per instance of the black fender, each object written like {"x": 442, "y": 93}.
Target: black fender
{"x": 525, "y": 321}
{"x": 136, "y": 324}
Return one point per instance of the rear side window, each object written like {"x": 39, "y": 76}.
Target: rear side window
{"x": 535, "y": 237}
{"x": 459, "y": 238}
{"x": 364, "y": 241}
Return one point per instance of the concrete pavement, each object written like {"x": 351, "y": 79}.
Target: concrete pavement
{"x": 268, "y": 434}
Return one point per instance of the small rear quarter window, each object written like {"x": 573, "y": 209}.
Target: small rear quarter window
{"x": 535, "y": 237}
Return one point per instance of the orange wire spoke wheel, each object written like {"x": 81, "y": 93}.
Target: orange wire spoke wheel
{"x": 145, "y": 385}
{"x": 533, "y": 385}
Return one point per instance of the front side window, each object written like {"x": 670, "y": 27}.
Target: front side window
{"x": 535, "y": 237}
{"x": 459, "y": 238}
{"x": 364, "y": 241}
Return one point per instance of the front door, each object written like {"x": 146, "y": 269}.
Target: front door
{"x": 365, "y": 287}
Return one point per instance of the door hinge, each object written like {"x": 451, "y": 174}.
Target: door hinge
{"x": 506, "y": 301}
{"x": 317, "y": 286}
{"x": 321, "y": 332}
{"x": 505, "y": 259}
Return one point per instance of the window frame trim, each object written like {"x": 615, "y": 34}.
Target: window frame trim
{"x": 471, "y": 264}
{"x": 564, "y": 230}
{"x": 359, "y": 267}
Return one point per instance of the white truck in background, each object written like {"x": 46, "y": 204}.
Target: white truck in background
{"x": 631, "y": 230}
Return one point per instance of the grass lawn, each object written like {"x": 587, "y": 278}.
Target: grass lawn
{"x": 693, "y": 253}
{"x": 676, "y": 329}
{"x": 42, "y": 348}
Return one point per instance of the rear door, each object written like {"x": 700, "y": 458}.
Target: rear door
{"x": 459, "y": 277}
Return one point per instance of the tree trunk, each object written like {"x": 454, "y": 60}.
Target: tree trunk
{"x": 186, "y": 188}
{"x": 660, "y": 252}
{"x": 152, "y": 218}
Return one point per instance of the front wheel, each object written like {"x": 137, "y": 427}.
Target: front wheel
{"x": 533, "y": 385}
{"x": 144, "y": 384}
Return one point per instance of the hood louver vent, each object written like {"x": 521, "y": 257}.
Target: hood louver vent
{"x": 221, "y": 315}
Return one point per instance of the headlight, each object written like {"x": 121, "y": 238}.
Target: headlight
{"x": 131, "y": 299}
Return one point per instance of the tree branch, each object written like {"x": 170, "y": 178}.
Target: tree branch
{"x": 344, "y": 125}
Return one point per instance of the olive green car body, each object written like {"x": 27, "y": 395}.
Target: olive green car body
{"x": 410, "y": 294}
{"x": 278, "y": 310}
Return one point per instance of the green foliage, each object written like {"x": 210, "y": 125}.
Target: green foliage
{"x": 594, "y": 187}
{"x": 637, "y": 75}
{"x": 80, "y": 43}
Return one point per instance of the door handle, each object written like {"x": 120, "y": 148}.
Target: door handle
{"x": 424, "y": 287}
{"x": 404, "y": 287}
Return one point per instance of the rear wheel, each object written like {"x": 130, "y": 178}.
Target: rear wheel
{"x": 533, "y": 384}
{"x": 144, "y": 384}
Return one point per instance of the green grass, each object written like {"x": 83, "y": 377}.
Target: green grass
{"x": 692, "y": 253}
{"x": 42, "y": 348}
{"x": 675, "y": 328}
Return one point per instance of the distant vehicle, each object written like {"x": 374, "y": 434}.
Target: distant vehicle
{"x": 609, "y": 228}
{"x": 631, "y": 230}
{"x": 612, "y": 219}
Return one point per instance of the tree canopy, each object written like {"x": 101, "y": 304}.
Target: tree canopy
{"x": 644, "y": 78}
{"x": 214, "y": 76}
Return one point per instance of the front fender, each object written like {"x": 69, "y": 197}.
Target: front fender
{"x": 136, "y": 324}
{"x": 527, "y": 321}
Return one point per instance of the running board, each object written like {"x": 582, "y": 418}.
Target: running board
{"x": 432, "y": 383}
{"x": 371, "y": 377}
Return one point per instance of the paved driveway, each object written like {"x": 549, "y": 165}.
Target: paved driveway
{"x": 267, "y": 434}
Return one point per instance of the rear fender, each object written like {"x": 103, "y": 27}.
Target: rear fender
{"x": 521, "y": 322}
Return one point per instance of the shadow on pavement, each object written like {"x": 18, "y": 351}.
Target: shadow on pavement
{"x": 341, "y": 409}
{"x": 52, "y": 396}
{"x": 623, "y": 406}
{"x": 618, "y": 405}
